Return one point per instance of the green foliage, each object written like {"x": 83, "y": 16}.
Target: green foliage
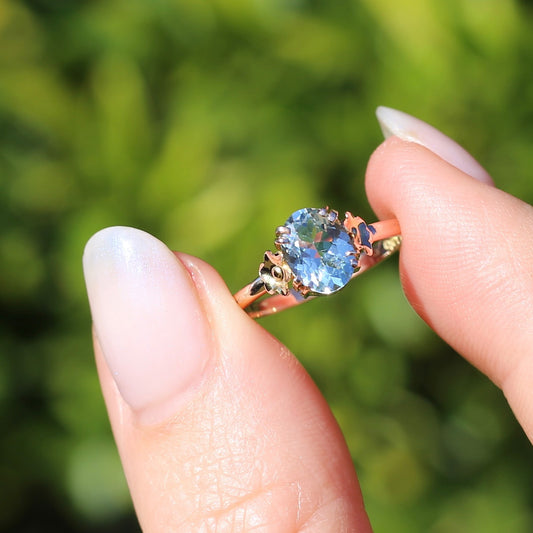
{"x": 152, "y": 114}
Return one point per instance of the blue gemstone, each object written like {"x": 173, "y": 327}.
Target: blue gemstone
{"x": 318, "y": 251}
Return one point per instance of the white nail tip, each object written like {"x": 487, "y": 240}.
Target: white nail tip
{"x": 394, "y": 122}
{"x": 411, "y": 129}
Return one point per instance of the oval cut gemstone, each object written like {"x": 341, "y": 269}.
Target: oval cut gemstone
{"x": 319, "y": 252}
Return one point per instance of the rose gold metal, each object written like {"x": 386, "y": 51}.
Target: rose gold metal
{"x": 385, "y": 239}
{"x": 301, "y": 288}
{"x": 249, "y": 294}
{"x": 385, "y": 229}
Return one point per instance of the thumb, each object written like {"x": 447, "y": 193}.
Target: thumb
{"x": 217, "y": 424}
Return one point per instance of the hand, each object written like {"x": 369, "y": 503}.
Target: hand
{"x": 218, "y": 425}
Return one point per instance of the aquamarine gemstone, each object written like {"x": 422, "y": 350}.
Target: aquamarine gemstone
{"x": 318, "y": 251}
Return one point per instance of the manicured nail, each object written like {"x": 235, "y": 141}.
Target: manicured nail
{"x": 147, "y": 317}
{"x": 412, "y": 129}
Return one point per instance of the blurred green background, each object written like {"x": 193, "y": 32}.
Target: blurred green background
{"x": 153, "y": 113}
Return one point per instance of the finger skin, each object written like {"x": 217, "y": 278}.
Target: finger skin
{"x": 256, "y": 448}
{"x": 466, "y": 262}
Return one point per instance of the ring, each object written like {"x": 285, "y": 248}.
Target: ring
{"x": 316, "y": 255}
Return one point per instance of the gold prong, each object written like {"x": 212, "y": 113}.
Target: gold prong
{"x": 297, "y": 285}
{"x": 282, "y": 230}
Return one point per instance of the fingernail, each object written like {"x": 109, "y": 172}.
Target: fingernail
{"x": 147, "y": 317}
{"x": 409, "y": 128}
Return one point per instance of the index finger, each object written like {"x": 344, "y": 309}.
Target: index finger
{"x": 465, "y": 263}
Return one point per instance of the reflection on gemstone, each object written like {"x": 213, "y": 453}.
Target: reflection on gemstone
{"x": 319, "y": 252}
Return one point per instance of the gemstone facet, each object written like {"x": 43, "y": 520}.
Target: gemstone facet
{"x": 319, "y": 250}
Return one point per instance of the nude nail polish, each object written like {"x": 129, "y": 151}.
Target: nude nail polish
{"x": 147, "y": 317}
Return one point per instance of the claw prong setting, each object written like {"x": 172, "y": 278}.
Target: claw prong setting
{"x": 291, "y": 266}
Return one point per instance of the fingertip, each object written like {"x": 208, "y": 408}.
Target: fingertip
{"x": 399, "y": 171}
{"x": 463, "y": 259}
